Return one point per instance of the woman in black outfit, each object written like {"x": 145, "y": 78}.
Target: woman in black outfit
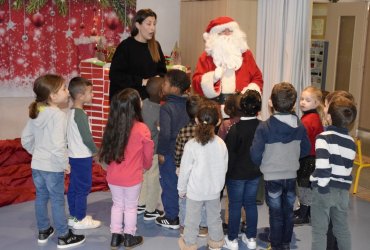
{"x": 138, "y": 57}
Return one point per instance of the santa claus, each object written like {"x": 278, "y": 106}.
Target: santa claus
{"x": 227, "y": 64}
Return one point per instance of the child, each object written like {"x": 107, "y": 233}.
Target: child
{"x": 278, "y": 144}
{"x": 150, "y": 190}
{"x": 127, "y": 148}
{"x": 243, "y": 175}
{"x": 310, "y": 104}
{"x": 186, "y": 133}
{"x": 202, "y": 177}
{"x": 44, "y": 138}
{"x": 173, "y": 117}
{"x": 331, "y": 180}
{"x": 81, "y": 148}
{"x": 231, "y": 109}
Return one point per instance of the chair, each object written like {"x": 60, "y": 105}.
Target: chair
{"x": 360, "y": 162}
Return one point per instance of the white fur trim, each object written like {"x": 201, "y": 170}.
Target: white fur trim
{"x": 228, "y": 80}
{"x": 207, "y": 85}
{"x": 252, "y": 86}
{"x": 219, "y": 28}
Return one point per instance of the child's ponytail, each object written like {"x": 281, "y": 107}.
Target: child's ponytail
{"x": 207, "y": 118}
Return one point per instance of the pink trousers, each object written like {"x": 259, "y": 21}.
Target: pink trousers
{"x": 125, "y": 201}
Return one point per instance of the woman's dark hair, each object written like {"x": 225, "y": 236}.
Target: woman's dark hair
{"x": 125, "y": 109}
{"x": 208, "y": 117}
{"x": 342, "y": 111}
{"x": 140, "y": 16}
{"x": 250, "y": 103}
{"x": 43, "y": 87}
{"x": 192, "y": 105}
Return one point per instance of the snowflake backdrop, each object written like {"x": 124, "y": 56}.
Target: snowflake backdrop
{"x": 46, "y": 42}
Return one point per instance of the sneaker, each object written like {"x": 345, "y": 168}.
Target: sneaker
{"x": 167, "y": 223}
{"x": 203, "y": 231}
{"x": 152, "y": 215}
{"x": 140, "y": 209}
{"x": 44, "y": 235}
{"x": 251, "y": 242}
{"x": 87, "y": 223}
{"x": 231, "y": 244}
{"x": 117, "y": 240}
{"x": 131, "y": 241}
{"x": 71, "y": 221}
{"x": 70, "y": 240}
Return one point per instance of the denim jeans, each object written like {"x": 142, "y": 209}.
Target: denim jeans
{"x": 182, "y": 213}
{"x": 168, "y": 180}
{"x": 50, "y": 186}
{"x": 242, "y": 193}
{"x": 79, "y": 186}
{"x": 280, "y": 197}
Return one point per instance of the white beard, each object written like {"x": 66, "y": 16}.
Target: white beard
{"x": 227, "y": 50}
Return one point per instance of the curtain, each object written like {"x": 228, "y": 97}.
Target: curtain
{"x": 283, "y": 45}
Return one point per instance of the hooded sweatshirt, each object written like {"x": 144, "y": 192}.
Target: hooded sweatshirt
{"x": 45, "y": 138}
{"x": 278, "y": 144}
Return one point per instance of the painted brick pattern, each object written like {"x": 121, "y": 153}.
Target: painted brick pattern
{"x": 98, "y": 110}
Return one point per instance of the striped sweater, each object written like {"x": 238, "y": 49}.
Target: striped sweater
{"x": 335, "y": 152}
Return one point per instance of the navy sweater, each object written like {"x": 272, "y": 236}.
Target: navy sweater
{"x": 335, "y": 152}
{"x": 172, "y": 117}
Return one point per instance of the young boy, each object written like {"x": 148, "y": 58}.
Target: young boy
{"x": 331, "y": 180}
{"x": 150, "y": 189}
{"x": 81, "y": 148}
{"x": 278, "y": 144}
{"x": 173, "y": 117}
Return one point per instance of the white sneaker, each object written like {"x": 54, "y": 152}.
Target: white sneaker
{"x": 71, "y": 221}
{"x": 251, "y": 242}
{"x": 87, "y": 223}
{"x": 231, "y": 244}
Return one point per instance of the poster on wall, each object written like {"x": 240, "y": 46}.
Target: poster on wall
{"x": 39, "y": 37}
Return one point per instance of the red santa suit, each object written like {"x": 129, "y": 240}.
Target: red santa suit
{"x": 211, "y": 81}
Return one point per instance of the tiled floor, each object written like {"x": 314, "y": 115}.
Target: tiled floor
{"x": 18, "y": 228}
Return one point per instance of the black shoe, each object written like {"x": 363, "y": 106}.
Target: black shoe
{"x": 140, "y": 209}
{"x": 243, "y": 227}
{"x": 152, "y": 215}
{"x": 117, "y": 240}
{"x": 224, "y": 227}
{"x": 131, "y": 241}
{"x": 44, "y": 235}
{"x": 303, "y": 217}
{"x": 297, "y": 212}
{"x": 167, "y": 223}
{"x": 70, "y": 240}
{"x": 265, "y": 237}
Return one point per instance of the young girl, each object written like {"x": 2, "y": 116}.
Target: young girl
{"x": 243, "y": 175}
{"x": 311, "y": 106}
{"x": 45, "y": 138}
{"x": 202, "y": 177}
{"x": 127, "y": 148}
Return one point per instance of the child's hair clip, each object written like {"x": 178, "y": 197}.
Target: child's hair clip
{"x": 205, "y": 122}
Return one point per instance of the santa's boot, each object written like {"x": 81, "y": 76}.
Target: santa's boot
{"x": 304, "y": 215}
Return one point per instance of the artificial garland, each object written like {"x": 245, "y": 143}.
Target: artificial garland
{"x": 33, "y": 6}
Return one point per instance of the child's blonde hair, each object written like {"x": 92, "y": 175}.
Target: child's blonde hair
{"x": 43, "y": 87}
{"x": 316, "y": 94}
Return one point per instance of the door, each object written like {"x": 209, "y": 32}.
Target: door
{"x": 346, "y": 29}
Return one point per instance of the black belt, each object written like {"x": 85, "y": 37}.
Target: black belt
{"x": 221, "y": 98}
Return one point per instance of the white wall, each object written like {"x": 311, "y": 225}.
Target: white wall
{"x": 168, "y": 21}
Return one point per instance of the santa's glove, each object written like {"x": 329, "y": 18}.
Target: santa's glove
{"x": 219, "y": 71}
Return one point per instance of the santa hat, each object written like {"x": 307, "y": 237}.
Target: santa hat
{"x": 220, "y": 24}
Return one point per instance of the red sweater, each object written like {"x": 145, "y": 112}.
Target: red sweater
{"x": 138, "y": 156}
{"x": 312, "y": 122}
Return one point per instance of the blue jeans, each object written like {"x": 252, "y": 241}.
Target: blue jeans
{"x": 242, "y": 193}
{"x": 182, "y": 213}
{"x": 168, "y": 180}
{"x": 79, "y": 186}
{"x": 280, "y": 197}
{"x": 50, "y": 185}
